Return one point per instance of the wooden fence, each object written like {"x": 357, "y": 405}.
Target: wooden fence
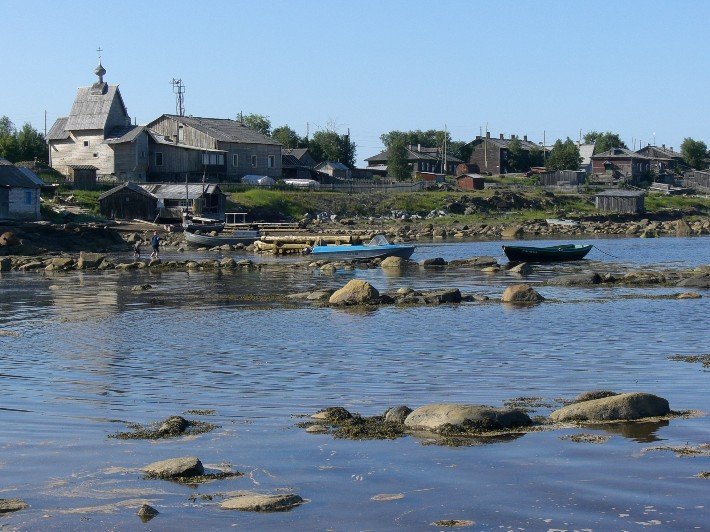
{"x": 698, "y": 180}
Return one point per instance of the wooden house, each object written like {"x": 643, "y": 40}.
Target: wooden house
{"x": 83, "y": 176}
{"x": 302, "y": 155}
{"x": 420, "y": 159}
{"x": 620, "y": 163}
{"x": 626, "y": 201}
{"x": 218, "y": 148}
{"x": 490, "y": 155}
{"x": 19, "y": 192}
{"x": 128, "y": 201}
{"x": 98, "y": 132}
{"x": 333, "y": 169}
{"x": 663, "y": 160}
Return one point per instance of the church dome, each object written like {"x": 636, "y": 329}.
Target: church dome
{"x": 100, "y": 70}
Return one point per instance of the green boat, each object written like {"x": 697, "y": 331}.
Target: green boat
{"x": 546, "y": 254}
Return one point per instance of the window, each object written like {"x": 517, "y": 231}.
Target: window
{"x": 28, "y": 197}
{"x": 271, "y": 161}
{"x": 158, "y": 158}
{"x": 96, "y": 154}
{"x": 213, "y": 159}
{"x": 181, "y": 134}
{"x": 253, "y": 161}
{"x": 235, "y": 159}
{"x": 86, "y": 143}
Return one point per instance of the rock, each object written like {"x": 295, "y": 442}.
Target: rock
{"x": 356, "y": 292}
{"x": 228, "y": 263}
{"x": 688, "y": 295}
{"x": 154, "y": 262}
{"x": 393, "y": 263}
{"x": 474, "y": 262}
{"x": 147, "y": 512}
{"x": 490, "y": 269}
{"x": 89, "y": 260}
{"x": 521, "y": 269}
{"x": 644, "y": 277}
{"x": 173, "y": 426}
{"x": 12, "y": 505}
{"x": 576, "y": 279}
{"x": 448, "y": 295}
{"x": 141, "y": 287}
{"x": 464, "y": 416}
{"x": 127, "y": 265}
{"x": 397, "y": 414}
{"x": 319, "y": 295}
{"x": 329, "y": 268}
{"x": 697, "y": 281}
{"x": 9, "y": 239}
{"x": 433, "y": 263}
{"x": 333, "y": 413}
{"x": 62, "y": 263}
{"x": 132, "y": 238}
{"x": 682, "y": 228}
{"x": 187, "y": 466}
{"x": 262, "y": 503}
{"x": 317, "y": 429}
{"x": 594, "y": 394}
{"x": 515, "y": 231}
{"x": 625, "y": 406}
{"x": 5, "y": 264}
{"x": 521, "y": 293}
{"x": 34, "y": 265}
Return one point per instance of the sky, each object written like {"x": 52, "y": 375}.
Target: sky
{"x": 552, "y": 68}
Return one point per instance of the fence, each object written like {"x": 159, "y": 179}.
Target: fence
{"x": 351, "y": 187}
{"x": 562, "y": 178}
{"x": 698, "y": 180}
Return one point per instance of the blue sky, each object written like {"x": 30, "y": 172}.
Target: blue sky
{"x": 637, "y": 68}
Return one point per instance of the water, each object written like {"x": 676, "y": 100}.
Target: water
{"x": 87, "y": 355}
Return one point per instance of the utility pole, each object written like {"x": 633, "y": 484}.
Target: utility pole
{"x": 179, "y": 90}
{"x": 307, "y": 130}
{"x": 49, "y": 153}
{"x": 443, "y": 166}
{"x": 544, "y": 149}
{"x": 485, "y": 148}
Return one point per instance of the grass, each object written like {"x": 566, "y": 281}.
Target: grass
{"x": 661, "y": 202}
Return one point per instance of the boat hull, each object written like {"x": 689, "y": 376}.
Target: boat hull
{"x": 546, "y": 254}
{"x": 362, "y": 252}
{"x": 238, "y": 237}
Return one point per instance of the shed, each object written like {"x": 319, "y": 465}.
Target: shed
{"x": 128, "y": 201}
{"x": 173, "y": 199}
{"x": 471, "y": 182}
{"x": 19, "y": 192}
{"x": 83, "y": 176}
{"x": 627, "y": 201}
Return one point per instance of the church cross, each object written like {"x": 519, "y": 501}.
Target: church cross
{"x": 99, "y": 50}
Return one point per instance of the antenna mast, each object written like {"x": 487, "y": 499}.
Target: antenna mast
{"x": 179, "y": 90}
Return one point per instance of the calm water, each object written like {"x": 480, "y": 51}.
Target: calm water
{"x": 86, "y": 354}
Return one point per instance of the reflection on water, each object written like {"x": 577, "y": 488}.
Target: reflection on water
{"x": 87, "y": 351}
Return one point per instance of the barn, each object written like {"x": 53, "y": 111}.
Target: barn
{"x": 128, "y": 201}
{"x": 626, "y": 201}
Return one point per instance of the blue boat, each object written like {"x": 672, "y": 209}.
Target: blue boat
{"x": 378, "y": 247}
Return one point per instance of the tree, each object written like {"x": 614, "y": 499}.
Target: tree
{"x": 518, "y": 160}
{"x": 288, "y": 137}
{"x": 6, "y": 126}
{"x": 257, "y": 122}
{"x": 564, "y": 156}
{"x": 328, "y": 145}
{"x": 31, "y": 144}
{"x": 694, "y": 153}
{"x": 9, "y": 149}
{"x": 604, "y": 141}
{"x": 397, "y": 165}
{"x": 536, "y": 157}
{"x": 460, "y": 149}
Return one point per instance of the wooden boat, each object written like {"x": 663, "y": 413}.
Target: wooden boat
{"x": 237, "y": 237}
{"x": 199, "y": 223}
{"x": 546, "y": 254}
{"x": 378, "y": 247}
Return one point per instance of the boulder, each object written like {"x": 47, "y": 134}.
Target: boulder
{"x": 397, "y": 414}
{"x": 254, "y": 502}
{"x": 625, "y": 406}
{"x": 12, "y": 505}
{"x": 433, "y": 263}
{"x": 393, "y": 263}
{"x": 682, "y": 228}
{"x": 8, "y": 239}
{"x": 464, "y": 416}
{"x": 228, "y": 263}
{"x": 333, "y": 414}
{"x": 447, "y": 295}
{"x": 187, "y": 466}
{"x": 697, "y": 281}
{"x": 521, "y": 269}
{"x": 34, "y": 265}
{"x": 688, "y": 295}
{"x": 521, "y": 293}
{"x": 576, "y": 279}
{"x": 173, "y": 426}
{"x": 356, "y": 292}
{"x": 62, "y": 263}
{"x": 5, "y": 264}
{"x": 89, "y": 260}
{"x": 147, "y": 512}
{"x": 593, "y": 394}
{"x": 475, "y": 262}
{"x": 644, "y": 277}
{"x": 515, "y": 231}
{"x": 319, "y": 295}
{"x": 141, "y": 287}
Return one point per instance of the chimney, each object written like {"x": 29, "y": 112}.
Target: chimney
{"x": 419, "y": 147}
{"x": 488, "y": 134}
{"x": 478, "y": 137}
{"x": 525, "y": 138}
{"x": 501, "y": 136}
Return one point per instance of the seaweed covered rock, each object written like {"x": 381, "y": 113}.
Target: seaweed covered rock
{"x": 356, "y": 292}
{"x": 255, "y": 502}
{"x": 465, "y": 417}
{"x": 593, "y": 394}
{"x": 173, "y": 426}
{"x": 333, "y": 414}
{"x": 521, "y": 294}
{"x": 621, "y": 407}
{"x": 186, "y": 466}
{"x": 397, "y": 414}
{"x": 12, "y": 505}
{"x": 576, "y": 279}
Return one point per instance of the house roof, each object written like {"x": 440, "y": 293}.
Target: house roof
{"x": 302, "y": 154}
{"x": 178, "y": 192}
{"x": 288, "y": 160}
{"x": 129, "y": 185}
{"x": 505, "y": 143}
{"x": 659, "y": 152}
{"x": 622, "y": 193}
{"x": 58, "y": 130}
{"x": 121, "y": 134}
{"x": 336, "y": 165}
{"x": 160, "y": 139}
{"x": 224, "y": 129}
{"x": 14, "y": 176}
{"x": 423, "y": 154}
{"x": 618, "y": 153}
{"x": 91, "y": 107}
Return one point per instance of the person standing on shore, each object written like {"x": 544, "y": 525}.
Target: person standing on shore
{"x": 155, "y": 244}
{"x": 137, "y": 250}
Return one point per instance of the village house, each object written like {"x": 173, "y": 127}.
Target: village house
{"x": 19, "y": 192}
{"x": 297, "y": 163}
{"x": 490, "y": 155}
{"x": 98, "y": 132}
{"x": 420, "y": 159}
{"x": 663, "y": 160}
{"x": 302, "y": 155}
{"x": 219, "y": 148}
{"x": 620, "y": 163}
{"x": 333, "y": 169}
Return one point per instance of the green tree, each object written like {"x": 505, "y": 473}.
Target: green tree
{"x": 31, "y": 144}
{"x": 694, "y": 153}
{"x": 9, "y": 148}
{"x": 6, "y": 126}
{"x": 536, "y": 157}
{"x": 564, "y": 156}
{"x": 460, "y": 149}
{"x": 397, "y": 165}
{"x": 518, "y": 160}
{"x": 604, "y": 141}
{"x": 257, "y": 122}
{"x": 328, "y": 145}
{"x": 288, "y": 137}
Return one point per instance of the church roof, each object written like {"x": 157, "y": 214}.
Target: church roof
{"x": 91, "y": 108}
{"x": 58, "y": 131}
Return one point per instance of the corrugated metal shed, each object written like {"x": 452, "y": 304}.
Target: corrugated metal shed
{"x": 13, "y": 176}
{"x": 225, "y": 130}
